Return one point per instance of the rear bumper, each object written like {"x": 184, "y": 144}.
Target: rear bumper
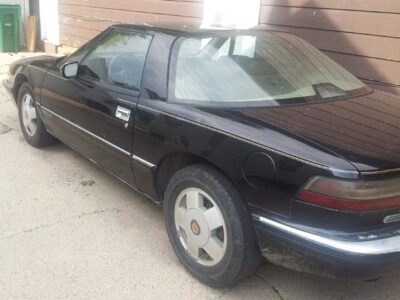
{"x": 307, "y": 252}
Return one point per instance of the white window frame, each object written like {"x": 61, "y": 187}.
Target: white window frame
{"x": 239, "y": 14}
{"x": 49, "y": 21}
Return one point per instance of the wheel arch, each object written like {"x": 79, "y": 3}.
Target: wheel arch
{"x": 19, "y": 80}
{"x": 176, "y": 161}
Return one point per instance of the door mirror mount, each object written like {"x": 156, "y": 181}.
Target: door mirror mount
{"x": 70, "y": 70}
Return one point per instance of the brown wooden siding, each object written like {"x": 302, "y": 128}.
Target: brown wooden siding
{"x": 363, "y": 36}
{"x": 81, "y": 20}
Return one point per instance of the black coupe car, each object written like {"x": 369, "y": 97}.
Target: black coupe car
{"x": 255, "y": 143}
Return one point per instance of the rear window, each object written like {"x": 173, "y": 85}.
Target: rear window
{"x": 260, "y": 67}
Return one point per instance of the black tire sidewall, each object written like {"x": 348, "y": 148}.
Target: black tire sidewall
{"x": 226, "y": 272}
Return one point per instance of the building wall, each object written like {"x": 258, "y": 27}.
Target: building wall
{"x": 362, "y": 35}
{"x": 34, "y": 10}
{"x": 81, "y": 20}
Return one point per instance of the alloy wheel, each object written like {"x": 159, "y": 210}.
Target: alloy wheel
{"x": 200, "y": 226}
{"x": 29, "y": 115}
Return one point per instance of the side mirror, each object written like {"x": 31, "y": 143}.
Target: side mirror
{"x": 70, "y": 70}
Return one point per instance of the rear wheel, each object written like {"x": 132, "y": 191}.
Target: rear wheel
{"x": 31, "y": 125}
{"x": 209, "y": 226}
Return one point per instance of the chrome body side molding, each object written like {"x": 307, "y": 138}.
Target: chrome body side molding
{"x": 143, "y": 162}
{"x": 123, "y": 151}
{"x": 86, "y": 131}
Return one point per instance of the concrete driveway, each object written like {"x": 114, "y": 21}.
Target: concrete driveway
{"x": 69, "y": 230}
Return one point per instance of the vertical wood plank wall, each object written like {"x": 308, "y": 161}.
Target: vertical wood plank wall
{"x": 362, "y": 35}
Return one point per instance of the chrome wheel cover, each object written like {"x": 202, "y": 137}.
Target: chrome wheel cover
{"x": 28, "y": 114}
{"x": 200, "y": 226}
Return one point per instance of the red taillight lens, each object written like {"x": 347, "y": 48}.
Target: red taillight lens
{"x": 352, "y": 195}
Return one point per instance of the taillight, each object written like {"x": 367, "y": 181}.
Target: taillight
{"x": 352, "y": 195}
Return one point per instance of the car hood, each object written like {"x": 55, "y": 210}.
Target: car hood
{"x": 363, "y": 130}
{"x": 43, "y": 62}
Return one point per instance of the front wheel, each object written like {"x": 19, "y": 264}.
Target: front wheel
{"x": 31, "y": 125}
{"x": 209, "y": 226}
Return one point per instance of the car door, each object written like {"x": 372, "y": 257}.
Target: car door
{"x": 94, "y": 112}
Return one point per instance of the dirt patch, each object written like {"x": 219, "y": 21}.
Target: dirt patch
{"x": 4, "y": 128}
{"x": 87, "y": 182}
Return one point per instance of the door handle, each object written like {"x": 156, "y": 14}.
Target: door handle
{"x": 123, "y": 113}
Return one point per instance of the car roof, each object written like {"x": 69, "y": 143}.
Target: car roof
{"x": 180, "y": 28}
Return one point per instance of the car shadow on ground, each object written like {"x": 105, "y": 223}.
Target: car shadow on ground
{"x": 296, "y": 285}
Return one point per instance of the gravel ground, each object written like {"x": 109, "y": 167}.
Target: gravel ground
{"x": 69, "y": 230}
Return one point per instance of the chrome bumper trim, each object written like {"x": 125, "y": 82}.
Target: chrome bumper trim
{"x": 369, "y": 173}
{"x": 373, "y": 247}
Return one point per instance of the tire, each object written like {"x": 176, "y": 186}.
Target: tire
{"x": 31, "y": 125}
{"x": 233, "y": 246}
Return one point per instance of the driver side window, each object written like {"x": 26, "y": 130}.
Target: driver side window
{"x": 118, "y": 59}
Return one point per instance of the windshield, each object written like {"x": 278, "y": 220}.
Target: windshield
{"x": 268, "y": 67}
